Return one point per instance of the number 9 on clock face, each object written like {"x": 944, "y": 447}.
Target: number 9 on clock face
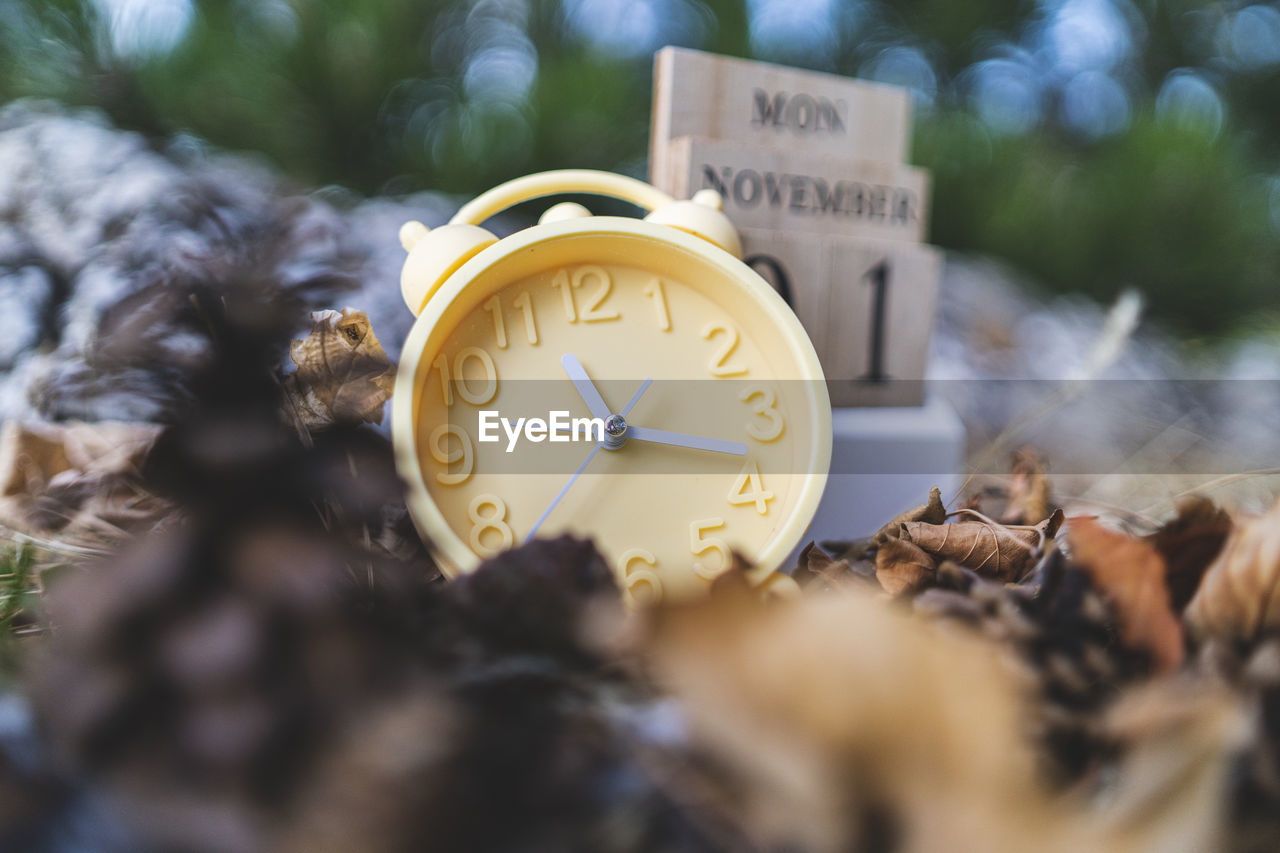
{"x": 617, "y": 380}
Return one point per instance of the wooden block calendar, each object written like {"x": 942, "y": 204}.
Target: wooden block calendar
{"x": 812, "y": 169}
{"x": 718, "y": 97}
{"x": 776, "y": 189}
{"x": 868, "y": 306}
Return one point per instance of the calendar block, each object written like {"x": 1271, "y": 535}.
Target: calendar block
{"x": 868, "y": 306}
{"x": 789, "y": 191}
{"x": 716, "y": 97}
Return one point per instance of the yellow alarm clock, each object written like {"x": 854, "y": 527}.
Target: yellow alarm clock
{"x": 627, "y": 380}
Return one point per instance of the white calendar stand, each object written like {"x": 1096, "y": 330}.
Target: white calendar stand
{"x": 910, "y": 449}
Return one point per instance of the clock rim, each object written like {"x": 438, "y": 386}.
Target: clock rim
{"x": 450, "y": 552}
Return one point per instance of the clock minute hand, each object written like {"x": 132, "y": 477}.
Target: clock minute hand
{"x": 679, "y": 439}
{"x": 635, "y": 398}
{"x": 586, "y": 388}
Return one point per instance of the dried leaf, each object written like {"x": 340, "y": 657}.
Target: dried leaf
{"x": 1130, "y": 572}
{"x": 902, "y": 567}
{"x": 932, "y": 512}
{"x": 1237, "y": 597}
{"x": 1180, "y": 742}
{"x": 991, "y": 549}
{"x": 1029, "y": 490}
{"x": 818, "y": 568}
{"x": 832, "y": 714}
{"x": 1188, "y": 544}
{"x": 343, "y": 374}
{"x": 78, "y": 480}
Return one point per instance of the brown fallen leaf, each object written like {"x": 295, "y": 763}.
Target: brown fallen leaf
{"x": 1237, "y": 598}
{"x": 1179, "y": 741}
{"x": 76, "y": 480}
{"x": 818, "y": 568}
{"x": 1130, "y": 573}
{"x": 831, "y": 705}
{"x": 931, "y": 512}
{"x": 343, "y": 374}
{"x": 903, "y": 567}
{"x": 996, "y": 550}
{"x": 1189, "y": 544}
{"x": 824, "y": 723}
{"x": 1029, "y": 490}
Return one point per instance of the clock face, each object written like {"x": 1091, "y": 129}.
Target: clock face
{"x": 610, "y": 380}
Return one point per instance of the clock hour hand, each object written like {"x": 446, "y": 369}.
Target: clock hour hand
{"x": 679, "y": 439}
{"x": 586, "y": 388}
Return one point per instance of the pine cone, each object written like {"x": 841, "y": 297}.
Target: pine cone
{"x": 1063, "y": 633}
{"x": 1254, "y": 673}
{"x": 202, "y": 671}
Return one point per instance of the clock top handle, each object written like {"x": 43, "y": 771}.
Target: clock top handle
{"x": 542, "y": 184}
{"x": 434, "y": 255}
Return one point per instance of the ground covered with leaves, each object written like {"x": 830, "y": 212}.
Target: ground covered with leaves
{"x": 256, "y": 653}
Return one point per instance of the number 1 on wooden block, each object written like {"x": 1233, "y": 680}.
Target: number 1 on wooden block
{"x": 878, "y": 276}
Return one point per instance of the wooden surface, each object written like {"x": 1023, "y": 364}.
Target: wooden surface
{"x": 700, "y": 94}
{"x": 872, "y": 338}
{"x": 781, "y": 189}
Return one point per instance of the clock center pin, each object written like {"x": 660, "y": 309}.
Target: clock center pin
{"x": 615, "y": 432}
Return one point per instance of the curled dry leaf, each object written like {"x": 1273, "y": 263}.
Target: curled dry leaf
{"x": 77, "y": 480}
{"x": 1130, "y": 572}
{"x": 816, "y": 567}
{"x": 903, "y": 567}
{"x": 996, "y": 550}
{"x": 1237, "y": 598}
{"x": 1029, "y": 490}
{"x": 1179, "y": 741}
{"x": 832, "y": 719}
{"x": 1189, "y": 543}
{"x": 343, "y": 374}
{"x": 931, "y": 512}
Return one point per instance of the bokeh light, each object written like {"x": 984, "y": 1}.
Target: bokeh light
{"x": 139, "y": 29}
{"x": 1189, "y": 101}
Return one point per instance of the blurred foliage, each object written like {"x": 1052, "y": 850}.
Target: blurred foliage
{"x": 1093, "y": 144}
{"x": 18, "y": 596}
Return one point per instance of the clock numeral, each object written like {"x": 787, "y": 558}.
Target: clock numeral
{"x": 749, "y": 488}
{"x": 561, "y": 282}
{"x": 634, "y": 579}
{"x": 766, "y": 406}
{"x": 464, "y": 384}
{"x": 465, "y": 453}
{"x": 592, "y": 311}
{"x": 655, "y": 291}
{"x": 494, "y": 307}
{"x": 699, "y": 544}
{"x": 489, "y": 512}
{"x": 525, "y": 304}
{"x": 719, "y": 362}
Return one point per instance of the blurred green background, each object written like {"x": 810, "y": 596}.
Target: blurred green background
{"x": 1092, "y": 144}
